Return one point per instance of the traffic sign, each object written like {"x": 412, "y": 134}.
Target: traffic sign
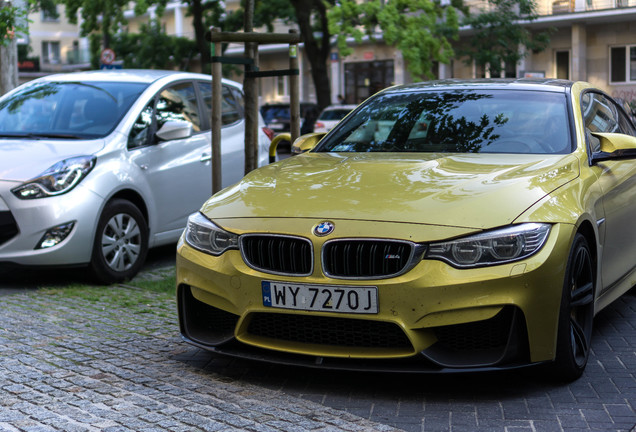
{"x": 108, "y": 56}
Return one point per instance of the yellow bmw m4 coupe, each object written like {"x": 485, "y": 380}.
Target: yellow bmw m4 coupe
{"x": 440, "y": 227}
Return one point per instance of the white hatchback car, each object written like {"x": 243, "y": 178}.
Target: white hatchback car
{"x": 331, "y": 116}
{"x": 96, "y": 167}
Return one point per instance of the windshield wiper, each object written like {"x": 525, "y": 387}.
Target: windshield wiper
{"x": 36, "y": 136}
{"x": 55, "y": 135}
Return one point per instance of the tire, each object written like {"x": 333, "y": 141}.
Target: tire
{"x": 121, "y": 243}
{"x": 576, "y": 314}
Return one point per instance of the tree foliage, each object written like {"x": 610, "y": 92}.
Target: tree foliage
{"x": 151, "y": 48}
{"x": 421, "y": 29}
{"x": 313, "y": 22}
{"x": 105, "y": 16}
{"x": 13, "y": 16}
{"x": 207, "y": 14}
{"x": 499, "y": 37}
{"x": 309, "y": 15}
{"x": 9, "y": 22}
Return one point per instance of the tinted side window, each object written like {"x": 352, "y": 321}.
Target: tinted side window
{"x": 178, "y": 102}
{"x": 625, "y": 124}
{"x": 602, "y": 115}
{"x": 231, "y": 103}
{"x": 141, "y": 132}
{"x": 599, "y": 113}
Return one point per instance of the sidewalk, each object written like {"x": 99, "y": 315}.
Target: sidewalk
{"x": 71, "y": 364}
{"x": 74, "y": 363}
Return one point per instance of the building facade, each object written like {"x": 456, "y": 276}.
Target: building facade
{"x": 593, "y": 40}
{"x": 55, "y": 45}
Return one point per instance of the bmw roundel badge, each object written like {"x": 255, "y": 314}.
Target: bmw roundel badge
{"x": 324, "y": 228}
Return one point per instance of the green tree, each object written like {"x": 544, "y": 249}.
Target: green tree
{"x": 13, "y": 20}
{"x": 316, "y": 38}
{"x": 500, "y": 39}
{"x": 105, "y": 16}
{"x": 421, "y": 29}
{"x": 310, "y": 15}
{"x": 151, "y": 48}
{"x": 206, "y": 14}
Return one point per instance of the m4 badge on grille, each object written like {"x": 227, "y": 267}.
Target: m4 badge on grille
{"x": 324, "y": 228}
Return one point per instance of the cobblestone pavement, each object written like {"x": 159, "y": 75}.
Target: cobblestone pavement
{"x": 69, "y": 363}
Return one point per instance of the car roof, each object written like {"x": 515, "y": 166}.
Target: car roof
{"x": 541, "y": 84}
{"x": 286, "y": 104}
{"x": 337, "y": 107}
{"x": 146, "y": 76}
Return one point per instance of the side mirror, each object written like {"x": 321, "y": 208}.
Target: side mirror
{"x": 306, "y": 142}
{"x": 174, "y": 129}
{"x": 614, "y": 146}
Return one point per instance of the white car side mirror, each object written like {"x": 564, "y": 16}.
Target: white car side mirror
{"x": 174, "y": 129}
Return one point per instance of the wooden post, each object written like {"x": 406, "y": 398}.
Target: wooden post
{"x": 250, "y": 90}
{"x": 294, "y": 92}
{"x": 217, "y": 94}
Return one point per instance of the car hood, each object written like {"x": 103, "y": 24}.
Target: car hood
{"x": 462, "y": 190}
{"x": 24, "y": 159}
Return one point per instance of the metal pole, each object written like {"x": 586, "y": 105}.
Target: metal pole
{"x": 217, "y": 92}
{"x": 294, "y": 92}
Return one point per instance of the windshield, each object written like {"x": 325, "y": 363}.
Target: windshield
{"x": 67, "y": 109}
{"x": 457, "y": 121}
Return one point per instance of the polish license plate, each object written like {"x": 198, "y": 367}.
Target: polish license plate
{"x": 324, "y": 298}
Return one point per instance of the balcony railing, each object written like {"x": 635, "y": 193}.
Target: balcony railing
{"x": 556, "y": 7}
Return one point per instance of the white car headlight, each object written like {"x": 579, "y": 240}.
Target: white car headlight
{"x": 491, "y": 248}
{"x": 57, "y": 180}
{"x": 205, "y": 236}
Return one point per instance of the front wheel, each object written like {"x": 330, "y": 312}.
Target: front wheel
{"x": 121, "y": 243}
{"x": 576, "y": 314}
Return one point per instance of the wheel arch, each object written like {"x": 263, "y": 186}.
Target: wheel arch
{"x": 133, "y": 197}
{"x": 586, "y": 229}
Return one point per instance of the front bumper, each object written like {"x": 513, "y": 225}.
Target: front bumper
{"x": 432, "y": 318}
{"x": 24, "y": 223}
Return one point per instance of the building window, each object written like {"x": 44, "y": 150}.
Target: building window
{"x": 52, "y": 16}
{"x": 623, "y": 64}
{"x": 51, "y": 52}
{"x": 367, "y": 78}
{"x": 562, "y": 62}
{"x": 510, "y": 70}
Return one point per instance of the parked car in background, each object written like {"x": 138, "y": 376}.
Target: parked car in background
{"x": 277, "y": 117}
{"x": 330, "y": 116}
{"x": 96, "y": 167}
{"x": 440, "y": 227}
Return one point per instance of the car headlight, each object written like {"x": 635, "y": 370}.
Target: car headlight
{"x": 205, "y": 236}
{"x": 491, "y": 248}
{"x": 57, "y": 180}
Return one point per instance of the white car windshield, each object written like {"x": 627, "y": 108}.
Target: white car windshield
{"x": 72, "y": 110}
{"x": 456, "y": 121}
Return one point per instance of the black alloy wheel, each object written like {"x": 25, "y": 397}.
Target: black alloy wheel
{"x": 576, "y": 313}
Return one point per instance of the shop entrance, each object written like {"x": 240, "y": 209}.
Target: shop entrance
{"x": 366, "y": 78}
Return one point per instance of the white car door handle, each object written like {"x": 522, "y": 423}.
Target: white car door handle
{"x": 205, "y": 157}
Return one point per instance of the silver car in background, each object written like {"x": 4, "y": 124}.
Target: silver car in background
{"x": 96, "y": 167}
{"x": 331, "y": 116}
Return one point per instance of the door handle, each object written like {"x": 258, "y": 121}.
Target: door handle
{"x": 205, "y": 157}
